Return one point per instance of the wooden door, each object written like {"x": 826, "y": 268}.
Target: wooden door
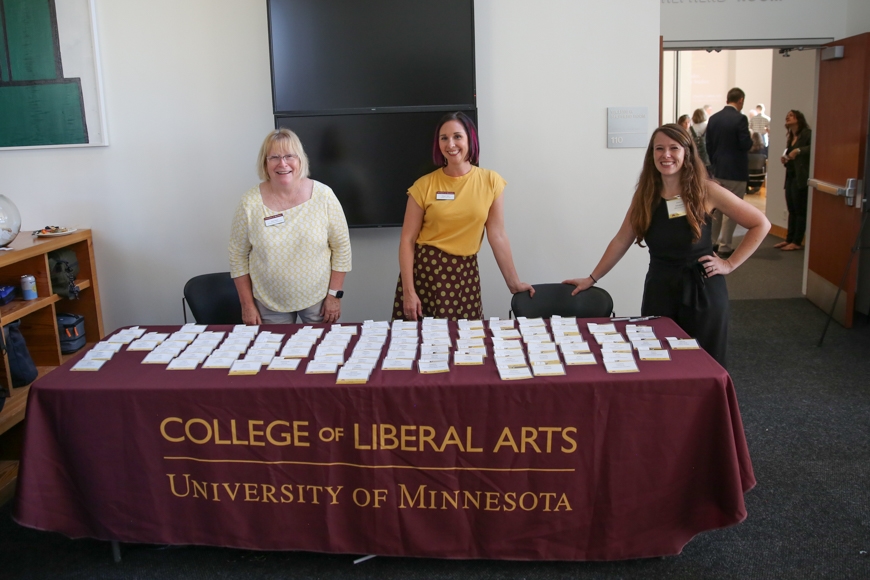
{"x": 840, "y": 150}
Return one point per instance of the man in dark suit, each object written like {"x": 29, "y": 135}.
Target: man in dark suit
{"x": 728, "y": 144}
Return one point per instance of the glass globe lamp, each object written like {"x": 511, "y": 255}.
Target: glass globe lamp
{"x": 10, "y": 221}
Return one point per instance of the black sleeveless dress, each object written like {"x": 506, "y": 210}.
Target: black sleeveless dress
{"x": 676, "y": 286}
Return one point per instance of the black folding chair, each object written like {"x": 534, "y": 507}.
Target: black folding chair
{"x": 212, "y": 299}
{"x": 553, "y": 299}
{"x": 757, "y": 172}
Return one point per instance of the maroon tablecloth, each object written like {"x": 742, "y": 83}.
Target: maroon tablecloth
{"x": 586, "y": 466}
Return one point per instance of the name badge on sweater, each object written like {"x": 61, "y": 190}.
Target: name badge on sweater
{"x": 274, "y": 220}
{"x": 448, "y": 195}
{"x": 676, "y": 208}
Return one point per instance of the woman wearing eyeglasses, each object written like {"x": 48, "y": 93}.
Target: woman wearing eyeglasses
{"x": 289, "y": 246}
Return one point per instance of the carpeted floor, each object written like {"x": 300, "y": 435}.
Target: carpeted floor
{"x": 806, "y": 412}
{"x": 769, "y": 273}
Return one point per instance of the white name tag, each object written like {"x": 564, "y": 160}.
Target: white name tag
{"x": 676, "y": 208}
{"x": 274, "y": 220}
{"x": 448, "y": 195}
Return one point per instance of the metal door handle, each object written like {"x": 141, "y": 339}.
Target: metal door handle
{"x": 853, "y": 189}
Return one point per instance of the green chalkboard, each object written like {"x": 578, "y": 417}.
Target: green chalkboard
{"x": 42, "y": 114}
{"x": 38, "y": 106}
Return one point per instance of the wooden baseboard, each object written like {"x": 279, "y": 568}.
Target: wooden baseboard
{"x": 13, "y": 411}
{"x": 8, "y": 480}
{"x": 778, "y": 231}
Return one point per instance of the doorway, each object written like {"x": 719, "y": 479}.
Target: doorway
{"x": 781, "y": 79}
{"x": 699, "y": 79}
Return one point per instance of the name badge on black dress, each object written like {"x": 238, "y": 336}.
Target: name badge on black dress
{"x": 676, "y": 207}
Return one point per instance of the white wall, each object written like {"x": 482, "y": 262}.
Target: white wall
{"x": 547, "y": 71}
{"x": 792, "y": 87}
{"x": 188, "y": 101}
{"x": 857, "y": 17}
{"x": 732, "y": 21}
{"x": 753, "y": 69}
{"x": 74, "y": 28}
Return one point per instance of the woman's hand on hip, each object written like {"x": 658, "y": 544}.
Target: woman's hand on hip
{"x": 331, "y": 309}
{"x": 714, "y": 265}
{"x": 580, "y": 283}
{"x": 250, "y": 315}
{"x": 412, "y": 307}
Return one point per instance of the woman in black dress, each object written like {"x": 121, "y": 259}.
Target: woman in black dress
{"x": 671, "y": 212}
{"x": 796, "y": 160}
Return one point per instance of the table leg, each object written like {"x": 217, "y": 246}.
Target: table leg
{"x": 116, "y": 551}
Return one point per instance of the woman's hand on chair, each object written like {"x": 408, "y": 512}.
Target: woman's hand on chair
{"x": 522, "y": 287}
{"x": 580, "y": 283}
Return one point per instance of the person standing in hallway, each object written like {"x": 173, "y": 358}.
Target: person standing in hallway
{"x": 708, "y": 109}
{"x": 728, "y": 144}
{"x": 760, "y": 123}
{"x": 685, "y": 122}
{"x": 796, "y": 160}
{"x": 697, "y": 131}
{"x": 757, "y": 144}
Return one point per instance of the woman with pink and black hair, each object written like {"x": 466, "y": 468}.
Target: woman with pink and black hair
{"x": 445, "y": 217}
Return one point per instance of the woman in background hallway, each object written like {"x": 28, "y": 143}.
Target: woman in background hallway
{"x": 797, "y": 171}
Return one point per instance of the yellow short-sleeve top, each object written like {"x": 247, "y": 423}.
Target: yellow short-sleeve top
{"x": 455, "y": 224}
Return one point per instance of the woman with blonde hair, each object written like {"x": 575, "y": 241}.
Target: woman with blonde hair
{"x": 289, "y": 246}
{"x": 671, "y": 211}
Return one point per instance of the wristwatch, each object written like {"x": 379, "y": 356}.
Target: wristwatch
{"x": 336, "y": 293}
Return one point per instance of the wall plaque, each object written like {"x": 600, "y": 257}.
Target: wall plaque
{"x": 627, "y": 127}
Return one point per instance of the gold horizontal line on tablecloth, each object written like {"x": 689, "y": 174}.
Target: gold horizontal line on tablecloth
{"x": 339, "y": 463}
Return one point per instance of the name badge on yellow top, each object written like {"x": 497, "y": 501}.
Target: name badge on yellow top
{"x": 274, "y": 220}
{"x": 676, "y": 207}
{"x": 442, "y": 195}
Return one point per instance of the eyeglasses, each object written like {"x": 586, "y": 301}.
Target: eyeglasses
{"x": 277, "y": 158}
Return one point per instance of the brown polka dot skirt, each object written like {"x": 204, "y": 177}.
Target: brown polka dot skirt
{"x": 448, "y": 285}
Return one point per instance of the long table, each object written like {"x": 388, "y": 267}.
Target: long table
{"x": 585, "y": 466}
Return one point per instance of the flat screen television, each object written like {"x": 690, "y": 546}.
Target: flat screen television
{"x": 356, "y": 54}
{"x": 369, "y": 161}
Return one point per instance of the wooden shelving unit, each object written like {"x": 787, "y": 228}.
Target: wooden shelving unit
{"x": 39, "y": 327}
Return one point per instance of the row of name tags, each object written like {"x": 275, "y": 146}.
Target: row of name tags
{"x": 521, "y": 348}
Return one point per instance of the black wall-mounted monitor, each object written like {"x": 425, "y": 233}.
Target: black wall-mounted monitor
{"x": 363, "y": 83}
{"x": 357, "y": 54}
{"x": 369, "y": 161}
